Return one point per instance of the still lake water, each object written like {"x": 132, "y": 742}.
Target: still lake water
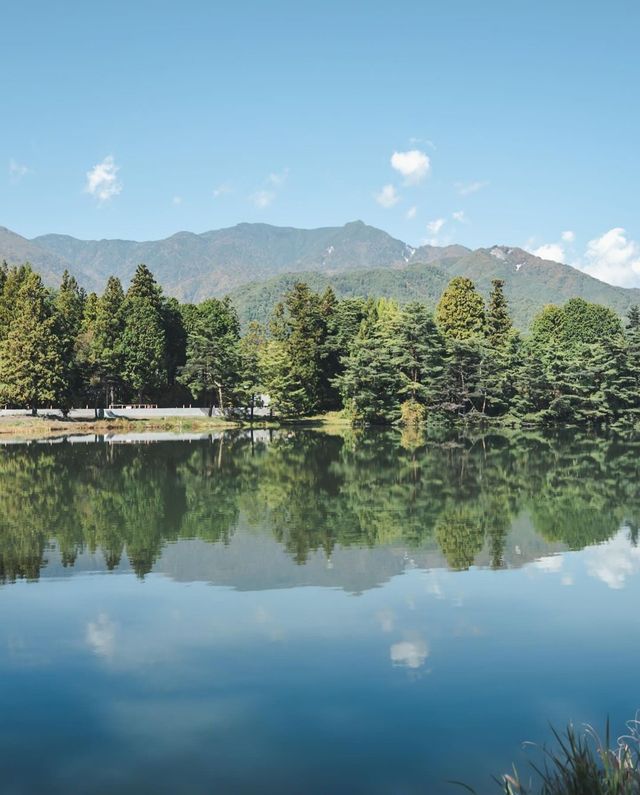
{"x": 308, "y": 613}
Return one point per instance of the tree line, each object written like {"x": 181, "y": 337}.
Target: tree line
{"x": 380, "y": 362}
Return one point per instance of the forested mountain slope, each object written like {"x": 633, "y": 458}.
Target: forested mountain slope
{"x": 529, "y": 284}
{"x": 256, "y": 263}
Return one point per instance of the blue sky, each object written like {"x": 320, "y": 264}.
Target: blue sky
{"x": 136, "y": 120}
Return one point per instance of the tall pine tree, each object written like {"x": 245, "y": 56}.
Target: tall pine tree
{"x": 104, "y": 326}
{"x": 499, "y": 324}
{"x": 32, "y": 367}
{"x": 144, "y": 345}
{"x": 69, "y": 303}
{"x": 419, "y": 354}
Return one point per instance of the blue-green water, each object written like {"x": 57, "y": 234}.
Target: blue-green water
{"x": 305, "y": 613}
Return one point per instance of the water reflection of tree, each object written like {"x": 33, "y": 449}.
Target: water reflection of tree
{"x": 311, "y": 492}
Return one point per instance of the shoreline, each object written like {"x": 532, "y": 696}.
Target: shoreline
{"x": 47, "y": 426}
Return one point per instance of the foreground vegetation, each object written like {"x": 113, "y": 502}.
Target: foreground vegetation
{"x": 375, "y": 360}
{"x": 583, "y": 764}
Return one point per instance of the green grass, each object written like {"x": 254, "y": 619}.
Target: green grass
{"x": 581, "y": 763}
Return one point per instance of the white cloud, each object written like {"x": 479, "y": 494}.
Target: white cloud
{"x": 459, "y": 216}
{"x": 102, "y": 180}
{"x": 552, "y": 251}
{"x": 387, "y": 197}
{"x": 411, "y": 213}
{"x": 613, "y": 258}
{"x": 426, "y": 141}
{"x": 409, "y": 653}
{"x": 176, "y": 200}
{"x": 433, "y": 227}
{"x": 263, "y": 198}
{"x": 17, "y": 170}
{"x": 414, "y": 165}
{"x": 278, "y": 179}
{"x": 221, "y": 190}
{"x": 467, "y": 188}
{"x": 614, "y": 562}
{"x": 550, "y": 564}
{"x": 100, "y": 636}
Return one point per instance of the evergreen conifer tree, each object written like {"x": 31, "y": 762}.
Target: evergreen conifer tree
{"x": 69, "y": 304}
{"x": 12, "y": 282}
{"x": 106, "y": 343}
{"x": 371, "y": 381}
{"x": 288, "y": 395}
{"x": 499, "y": 324}
{"x": 144, "y": 346}
{"x": 250, "y": 376}
{"x": 32, "y": 366}
{"x": 419, "y": 356}
{"x": 212, "y": 364}
{"x": 460, "y": 312}
{"x": 632, "y": 334}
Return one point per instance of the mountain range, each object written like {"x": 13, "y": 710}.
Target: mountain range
{"x": 256, "y": 263}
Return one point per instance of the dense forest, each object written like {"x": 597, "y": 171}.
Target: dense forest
{"x": 382, "y": 363}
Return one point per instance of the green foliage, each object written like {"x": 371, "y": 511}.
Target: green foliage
{"x": 583, "y": 764}
{"x": 499, "y": 324}
{"x": 463, "y": 367}
{"x": 380, "y": 361}
{"x": 578, "y": 322}
{"x": 250, "y": 375}
{"x": 300, "y": 324}
{"x": 211, "y": 371}
{"x": 576, "y": 368}
{"x": 12, "y": 281}
{"x": 32, "y": 365}
{"x": 69, "y": 304}
{"x": 589, "y": 323}
{"x": 288, "y": 394}
{"x": 99, "y": 351}
{"x": 412, "y": 413}
{"x": 460, "y": 312}
{"x": 143, "y": 342}
{"x": 632, "y": 335}
{"x": 371, "y": 382}
{"x": 176, "y": 337}
{"x": 419, "y": 354}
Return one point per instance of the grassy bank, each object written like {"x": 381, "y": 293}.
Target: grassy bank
{"x": 44, "y": 426}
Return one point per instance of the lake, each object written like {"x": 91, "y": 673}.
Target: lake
{"x": 299, "y": 612}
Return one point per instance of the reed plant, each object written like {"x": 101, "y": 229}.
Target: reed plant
{"x": 581, "y": 763}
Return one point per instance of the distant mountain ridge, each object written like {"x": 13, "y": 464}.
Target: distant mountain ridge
{"x": 255, "y": 263}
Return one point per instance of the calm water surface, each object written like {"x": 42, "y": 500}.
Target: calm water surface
{"x": 306, "y": 613}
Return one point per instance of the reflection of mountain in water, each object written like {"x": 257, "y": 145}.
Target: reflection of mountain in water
{"x": 252, "y": 561}
{"x": 308, "y": 509}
